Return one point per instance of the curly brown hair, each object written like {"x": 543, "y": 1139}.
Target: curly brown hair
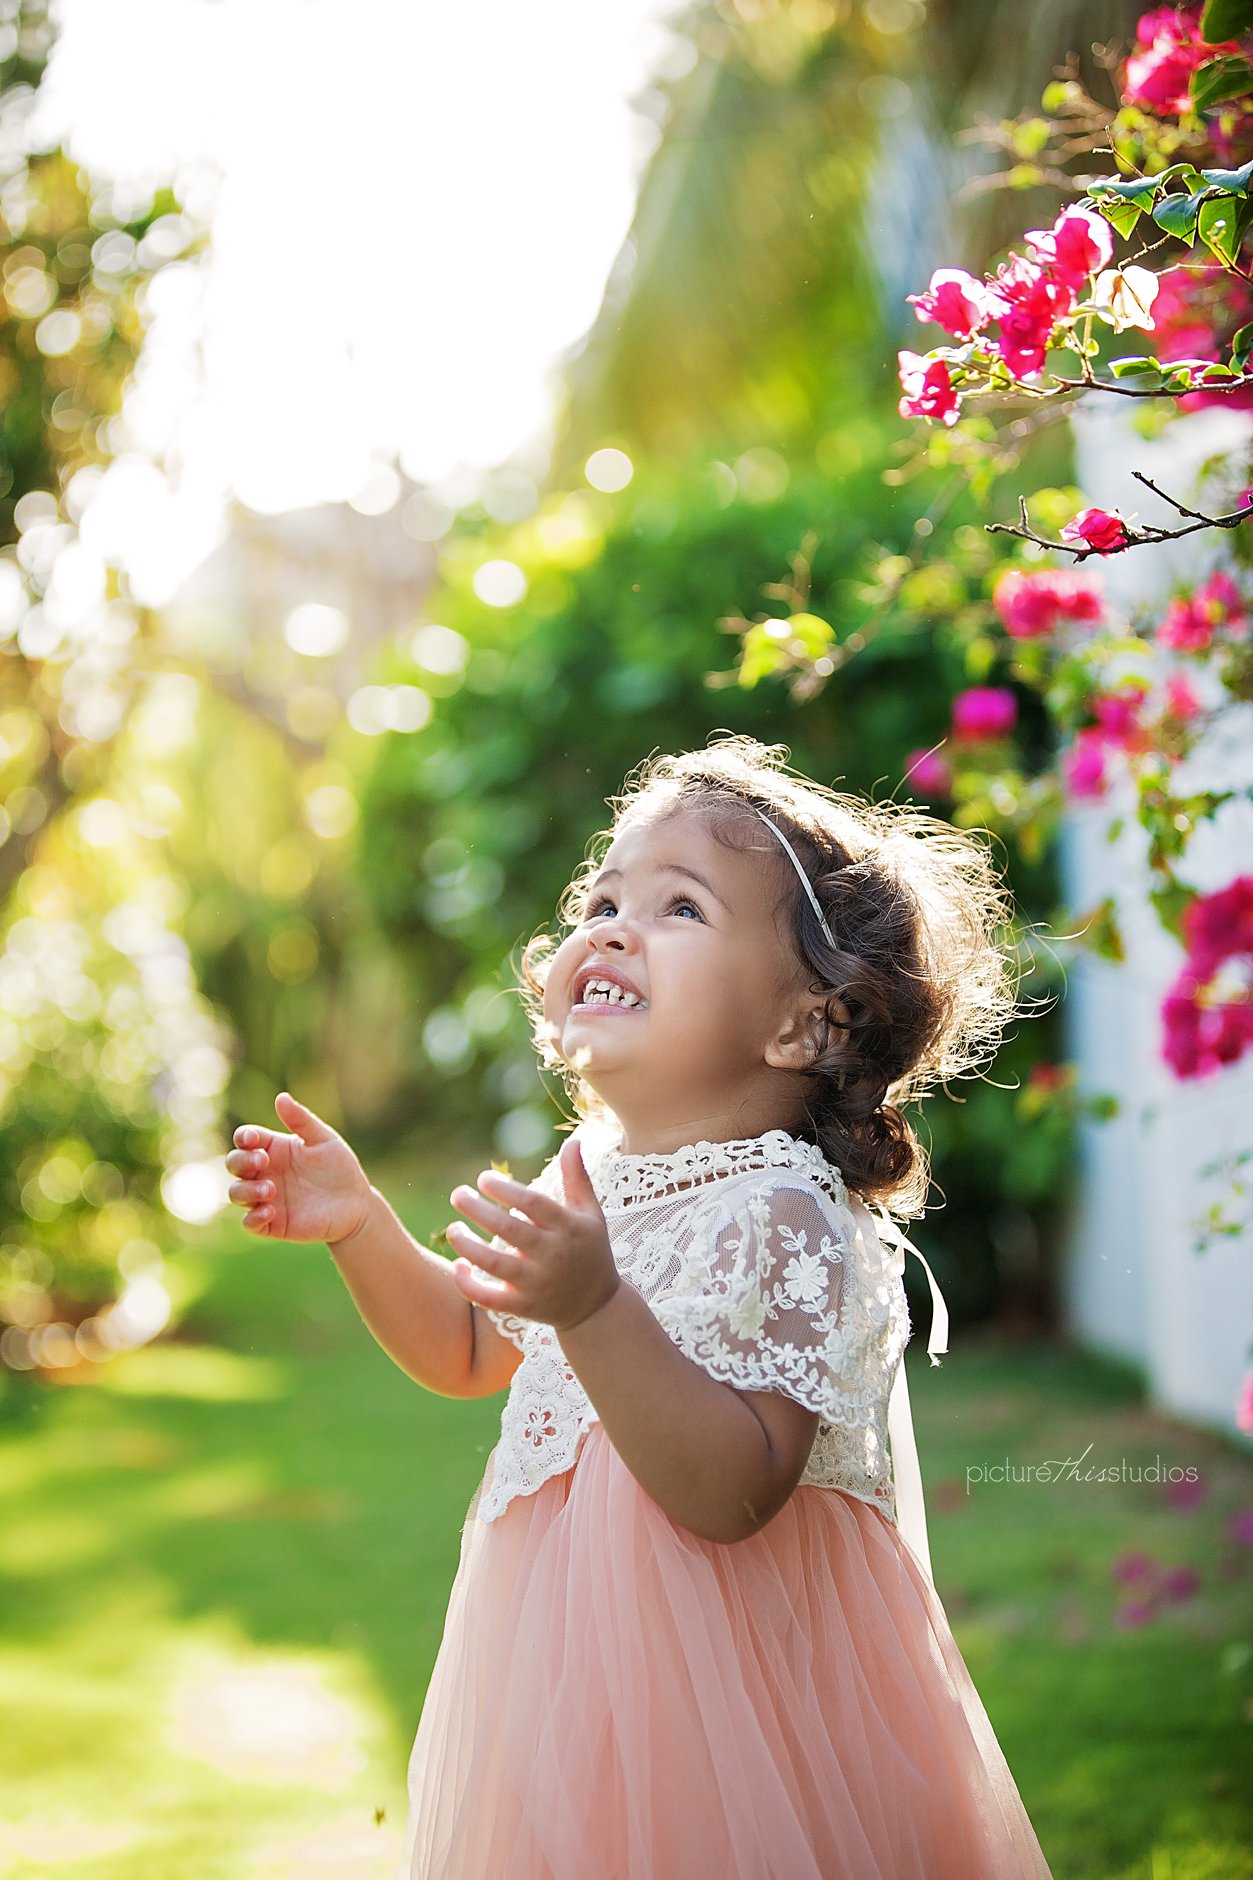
{"x": 922, "y": 974}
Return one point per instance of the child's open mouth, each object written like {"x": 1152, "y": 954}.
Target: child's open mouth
{"x": 605, "y": 995}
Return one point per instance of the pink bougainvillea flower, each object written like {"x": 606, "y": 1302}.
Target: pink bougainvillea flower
{"x": 1079, "y": 243}
{"x": 1031, "y": 604}
{"x": 955, "y": 300}
{"x": 1168, "y": 49}
{"x": 928, "y": 389}
{"x": 1219, "y": 927}
{"x": 1133, "y": 1569}
{"x": 1240, "y": 1528}
{"x": 1244, "y": 1406}
{"x": 1199, "y": 1039}
{"x": 1101, "y": 529}
{"x": 1133, "y": 1613}
{"x": 1188, "y": 1494}
{"x": 1119, "y": 717}
{"x": 1190, "y": 624}
{"x": 1083, "y": 765}
{"x": 1027, "y": 302}
{"x": 983, "y": 713}
{"x": 928, "y": 772}
{"x": 1180, "y": 1582}
{"x": 1182, "y": 702}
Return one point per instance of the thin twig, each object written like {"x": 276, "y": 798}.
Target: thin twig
{"x": 1135, "y": 538}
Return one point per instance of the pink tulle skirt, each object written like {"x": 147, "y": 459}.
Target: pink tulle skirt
{"x": 616, "y": 1698}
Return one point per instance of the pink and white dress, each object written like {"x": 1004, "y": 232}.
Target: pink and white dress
{"x": 615, "y": 1696}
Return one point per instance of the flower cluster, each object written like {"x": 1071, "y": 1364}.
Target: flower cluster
{"x": 1028, "y": 299}
{"x": 1168, "y": 50}
{"x": 1191, "y": 624}
{"x": 1032, "y": 604}
{"x": 982, "y": 714}
{"x": 1198, "y": 307}
{"x": 1207, "y": 1023}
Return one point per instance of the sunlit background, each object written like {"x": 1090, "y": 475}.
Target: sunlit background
{"x": 412, "y": 416}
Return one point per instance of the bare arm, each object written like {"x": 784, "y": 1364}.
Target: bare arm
{"x": 720, "y": 1461}
{"x": 308, "y": 1185}
{"x": 409, "y": 1300}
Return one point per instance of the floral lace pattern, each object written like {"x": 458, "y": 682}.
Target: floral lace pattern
{"x": 762, "y": 1270}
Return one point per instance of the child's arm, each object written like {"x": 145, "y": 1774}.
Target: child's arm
{"x": 720, "y": 1461}
{"x": 308, "y": 1186}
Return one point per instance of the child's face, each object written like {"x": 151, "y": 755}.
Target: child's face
{"x": 717, "y": 988}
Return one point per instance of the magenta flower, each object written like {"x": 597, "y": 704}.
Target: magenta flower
{"x": 928, "y": 389}
{"x": 1133, "y": 1613}
{"x": 955, "y": 301}
{"x": 1182, "y": 701}
{"x": 1244, "y": 1406}
{"x": 1134, "y": 1569}
{"x": 1118, "y": 716}
{"x": 1101, "y": 529}
{"x": 929, "y": 773}
{"x": 1079, "y": 243}
{"x": 1027, "y": 303}
{"x": 1031, "y": 604}
{"x": 1180, "y": 1582}
{"x": 1168, "y": 49}
{"x": 1187, "y": 1494}
{"x": 1198, "y": 1039}
{"x": 983, "y": 713}
{"x": 1219, "y": 926}
{"x": 1084, "y": 764}
{"x": 1190, "y": 624}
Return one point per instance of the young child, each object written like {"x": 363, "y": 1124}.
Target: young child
{"x": 687, "y": 1636}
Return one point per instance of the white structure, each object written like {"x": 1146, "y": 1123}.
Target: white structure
{"x": 1135, "y": 1283}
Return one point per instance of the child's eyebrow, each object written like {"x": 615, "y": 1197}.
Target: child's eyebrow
{"x": 668, "y": 868}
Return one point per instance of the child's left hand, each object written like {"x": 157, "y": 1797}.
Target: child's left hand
{"x": 558, "y": 1266}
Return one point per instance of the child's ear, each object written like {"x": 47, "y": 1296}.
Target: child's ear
{"x": 808, "y": 1030}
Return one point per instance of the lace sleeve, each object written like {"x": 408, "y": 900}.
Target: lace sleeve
{"x": 771, "y": 1299}
{"x": 548, "y": 1182}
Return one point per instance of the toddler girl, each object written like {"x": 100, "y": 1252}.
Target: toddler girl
{"x": 693, "y": 1631}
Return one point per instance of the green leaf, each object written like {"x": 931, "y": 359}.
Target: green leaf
{"x": 1228, "y": 77}
{"x": 1131, "y": 363}
{"x": 1209, "y": 374}
{"x": 1220, "y": 226}
{"x": 1131, "y": 188}
{"x": 1170, "y": 902}
{"x": 1226, "y": 19}
{"x": 1122, "y": 216}
{"x": 1241, "y": 347}
{"x": 1178, "y": 214}
{"x": 1236, "y": 182}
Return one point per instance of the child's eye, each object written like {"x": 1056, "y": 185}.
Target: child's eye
{"x": 599, "y": 906}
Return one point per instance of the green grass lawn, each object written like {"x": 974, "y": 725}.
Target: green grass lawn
{"x": 224, "y": 1568}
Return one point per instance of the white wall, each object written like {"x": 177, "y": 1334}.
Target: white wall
{"x": 1134, "y": 1283}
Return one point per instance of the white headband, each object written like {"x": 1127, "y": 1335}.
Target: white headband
{"x": 804, "y": 878}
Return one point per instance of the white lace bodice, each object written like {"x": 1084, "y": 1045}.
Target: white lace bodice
{"x": 763, "y": 1270}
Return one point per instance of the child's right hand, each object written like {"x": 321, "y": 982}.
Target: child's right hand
{"x": 305, "y": 1186}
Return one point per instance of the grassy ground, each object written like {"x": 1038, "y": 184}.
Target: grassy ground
{"x": 224, "y": 1568}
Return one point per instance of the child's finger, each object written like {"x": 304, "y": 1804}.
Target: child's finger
{"x": 538, "y": 1207}
{"x": 253, "y": 1136}
{"x": 501, "y": 1262}
{"x": 247, "y": 1161}
{"x": 301, "y": 1120}
{"x": 249, "y": 1192}
{"x": 515, "y": 1228}
{"x": 578, "y": 1183}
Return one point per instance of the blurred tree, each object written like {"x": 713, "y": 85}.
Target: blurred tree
{"x": 111, "y": 1066}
